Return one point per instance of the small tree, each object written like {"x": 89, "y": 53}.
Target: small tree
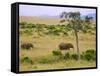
{"x": 76, "y": 24}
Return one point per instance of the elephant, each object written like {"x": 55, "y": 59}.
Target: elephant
{"x": 65, "y": 46}
{"x": 27, "y": 45}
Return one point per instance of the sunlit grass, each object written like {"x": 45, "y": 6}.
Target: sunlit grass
{"x": 41, "y": 54}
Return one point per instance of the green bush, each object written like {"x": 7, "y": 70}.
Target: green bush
{"x": 89, "y": 55}
{"x": 22, "y": 23}
{"x": 27, "y": 32}
{"x": 30, "y": 26}
{"x": 57, "y": 52}
{"x": 22, "y": 26}
{"x": 92, "y": 51}
{"x": 84, "y": 30}
{"x": 74, "y": 56}
{"x": 67, "y": 56}
{"x": 26, "y": 60}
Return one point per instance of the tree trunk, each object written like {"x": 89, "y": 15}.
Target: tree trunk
{"x": 77, "y": 44}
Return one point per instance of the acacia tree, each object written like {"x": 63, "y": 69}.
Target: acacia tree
{"x": 76, "y": 24}
{"x": 74, "y": 20}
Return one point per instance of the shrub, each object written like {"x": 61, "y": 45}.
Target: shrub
{"x": 89, "y": 55}
{"x": 92, "y": 51}
{"x": 29, "y": 26}
{"x": 25, "y": 32}
{"x": 28, "y": 32}
{"x": 84, "y": 31}
{"x": 74, "y": 56}
{"x": 67, "y": 56}
{"x": 22, "y": 26}
{"x": 22, "y": 23}
{"x": 89, "y": 31}
{"x": 27, "y": 60}
{"x": 57, "y": 52}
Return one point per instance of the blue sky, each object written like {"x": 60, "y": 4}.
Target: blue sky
{"x": 33, "y": 10}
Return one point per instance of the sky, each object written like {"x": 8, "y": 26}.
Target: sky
{"x": 36, "y": 10}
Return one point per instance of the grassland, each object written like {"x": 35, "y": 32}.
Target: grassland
{"x": 41, "y": 55}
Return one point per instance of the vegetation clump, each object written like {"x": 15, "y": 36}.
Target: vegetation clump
{"x": 26, "y": 60}
{"x": 67, "y": 55}
{"x": 74, "y": 56}
{"x": 89, "y": 55}
{"x": 56, "y": 52}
